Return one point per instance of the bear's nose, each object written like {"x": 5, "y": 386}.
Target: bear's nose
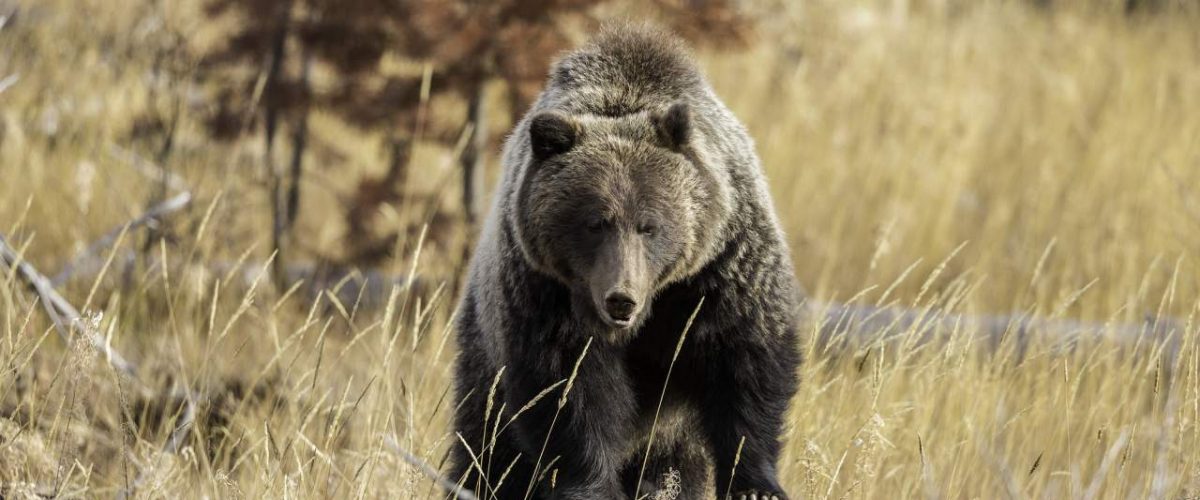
{"x": 619, "y": 306}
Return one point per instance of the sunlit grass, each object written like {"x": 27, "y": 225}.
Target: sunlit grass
{"x": 965, "y": 157}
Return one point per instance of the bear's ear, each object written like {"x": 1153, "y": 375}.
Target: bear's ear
{"x": 550, "y": 134}
{"x": 674, "y": 126}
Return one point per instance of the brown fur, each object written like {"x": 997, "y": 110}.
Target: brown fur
{"x": 630, "y": 194}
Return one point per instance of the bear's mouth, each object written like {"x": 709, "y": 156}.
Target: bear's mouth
{"x": 620, "y": 324}
{"x": 620, "y": 318}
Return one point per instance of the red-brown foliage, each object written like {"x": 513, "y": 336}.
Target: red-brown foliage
{"x": 464, "y": 43}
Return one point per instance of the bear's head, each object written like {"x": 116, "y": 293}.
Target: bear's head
{"x": 616, "y": 208}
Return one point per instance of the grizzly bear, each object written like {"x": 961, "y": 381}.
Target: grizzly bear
{"x": 631, "y": 237}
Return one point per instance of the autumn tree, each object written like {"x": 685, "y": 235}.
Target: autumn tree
{"x": 456, "y": 48}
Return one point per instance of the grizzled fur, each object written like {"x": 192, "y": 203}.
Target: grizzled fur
{"x": 630, "y": 194}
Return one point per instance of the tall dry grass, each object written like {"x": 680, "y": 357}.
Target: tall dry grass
{"x": 981, "y": 157}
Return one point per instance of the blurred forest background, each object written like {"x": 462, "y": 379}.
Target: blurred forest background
{"x": 267, "y": 205}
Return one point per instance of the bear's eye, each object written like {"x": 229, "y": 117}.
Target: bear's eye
{"x": 647, "y": 229}
{"x": 595, "y": 225}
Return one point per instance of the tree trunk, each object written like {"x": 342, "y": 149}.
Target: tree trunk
{"x": 472, "y": 159}
{"x": 299, "y": 144}
{"x": 270, "y": 125}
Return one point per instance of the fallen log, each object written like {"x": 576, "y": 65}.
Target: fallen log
{"x": 839, "y": 325}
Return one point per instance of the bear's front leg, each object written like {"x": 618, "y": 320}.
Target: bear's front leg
{"x": 585, "y": 432}
{"x": 749, "y": 384}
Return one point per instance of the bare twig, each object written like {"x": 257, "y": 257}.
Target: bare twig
{"x": 186, "y": 420}
{"x": 148, "y": 169}
{"x": 152, "y": 217}
{"x": 423, "y": 466}
{"x": 8, "y": 81}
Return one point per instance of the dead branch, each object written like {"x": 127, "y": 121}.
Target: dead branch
{"x": 148, "y": 169}
{"x": 458, "y": 491}
{"x": 66, "y": 318}
{"x": 184, "y": 426}
{"x": 151, "y": 217}
{"x": 8, "y": 81}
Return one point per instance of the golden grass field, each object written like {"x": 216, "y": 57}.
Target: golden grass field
{"x": 979, "y": 157}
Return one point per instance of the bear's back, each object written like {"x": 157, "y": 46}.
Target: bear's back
{"x": 625, "y": 70}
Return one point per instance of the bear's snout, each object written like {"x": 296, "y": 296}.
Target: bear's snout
{"x": 620, "y": 308}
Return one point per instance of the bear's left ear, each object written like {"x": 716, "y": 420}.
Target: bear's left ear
{"x": 674, "y": 126}
{"x": 551, "y": 133}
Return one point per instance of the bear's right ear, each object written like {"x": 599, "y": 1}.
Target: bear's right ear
{"x": 551, "y": 133}
{"x": 674, "y": 126}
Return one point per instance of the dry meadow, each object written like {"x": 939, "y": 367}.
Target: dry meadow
{"x": 967, "y": 157}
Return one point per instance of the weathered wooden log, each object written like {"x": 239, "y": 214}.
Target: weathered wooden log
{"x": 839, "y": 326}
